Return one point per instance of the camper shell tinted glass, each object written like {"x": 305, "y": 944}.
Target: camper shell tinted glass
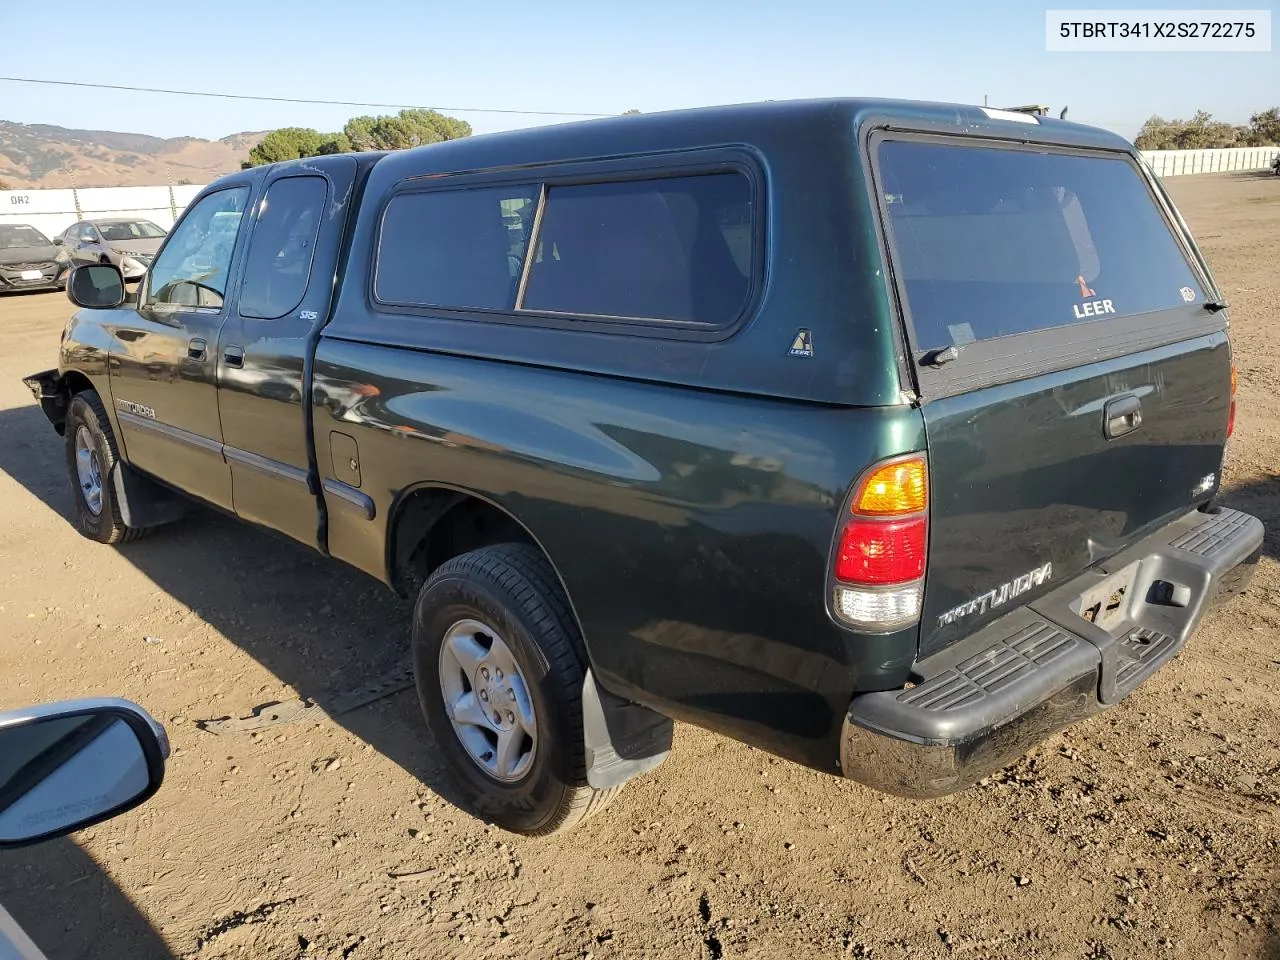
{"x": 678, "y": 249}
{"x": 992, "y": 242}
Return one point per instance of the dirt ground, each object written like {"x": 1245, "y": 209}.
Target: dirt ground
{"x": 1148, "y": 831}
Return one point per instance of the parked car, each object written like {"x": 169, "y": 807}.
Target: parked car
{"x": 130, "y": 244}
{"x": 29, "y": 260}
{"x": 882, "y": 436}
{"x": 66, "y": 766}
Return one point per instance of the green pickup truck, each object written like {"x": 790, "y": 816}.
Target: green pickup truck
{"x": 882, "y": 436}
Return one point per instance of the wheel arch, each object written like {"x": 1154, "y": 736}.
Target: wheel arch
{"x": 430, "y": 523}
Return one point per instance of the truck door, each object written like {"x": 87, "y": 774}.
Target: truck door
{"x": 163, "y": 363}
{"x": 264, "y": 349}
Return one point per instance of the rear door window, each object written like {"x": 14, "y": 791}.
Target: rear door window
{"x": 992, "y": 242}
{"x": 676, "y": 248}
{"x": 278, "y": 265}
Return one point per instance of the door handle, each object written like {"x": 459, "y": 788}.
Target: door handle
{"x": 197, "y": 350}
{"x": 233, "y": 356}
{"x": 1120, "y": 416}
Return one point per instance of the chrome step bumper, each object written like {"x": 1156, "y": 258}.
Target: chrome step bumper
{"x": 987, "y": 699}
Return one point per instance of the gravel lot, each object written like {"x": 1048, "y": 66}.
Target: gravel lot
{"x": 1149, "y": 831}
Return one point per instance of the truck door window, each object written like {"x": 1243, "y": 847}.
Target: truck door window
{"x": 676, "y": 248}
{"x": 191, "y": 271}
{"x": 278, "y": 263}
{"x": 455, "y": 248}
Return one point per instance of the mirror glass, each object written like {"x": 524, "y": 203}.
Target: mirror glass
{"x": 61, "y": 772}
{"x": 96, "y": 285}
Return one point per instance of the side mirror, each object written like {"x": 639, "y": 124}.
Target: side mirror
{"x": 57, "y": 241}
{"x": 69, "y": 765}
{"x": 97, "y": 286}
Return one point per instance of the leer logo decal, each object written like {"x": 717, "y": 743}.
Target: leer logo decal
{"x": 1091, "y": 307}
{"x": 802, "y": 345}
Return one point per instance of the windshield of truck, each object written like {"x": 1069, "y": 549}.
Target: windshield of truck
{"x": 130, "y": 230}
{"x": 14, "y": 235}
{"x": 991, "y": 242}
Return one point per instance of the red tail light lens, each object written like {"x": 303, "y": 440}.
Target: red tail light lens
{"x": 879, "y": 561}
{"x": 881, "y": 551}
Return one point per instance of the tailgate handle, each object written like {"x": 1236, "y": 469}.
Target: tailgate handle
{"x": 1120, "y": 416}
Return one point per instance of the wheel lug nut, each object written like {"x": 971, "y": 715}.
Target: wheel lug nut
{"x": 484, "y": 672}
{"x": 511, "y": 717}
{"x": 511, "y": 694}
{"x": 497, "y": 674}
{"x": 484, "y": 695}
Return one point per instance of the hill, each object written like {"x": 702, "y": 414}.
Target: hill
{"x": 40, "y": 155}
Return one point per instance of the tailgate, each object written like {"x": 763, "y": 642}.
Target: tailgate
{"x": 1073, "y": 366}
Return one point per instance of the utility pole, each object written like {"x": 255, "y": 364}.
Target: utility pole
{"x": 984, "y": 99}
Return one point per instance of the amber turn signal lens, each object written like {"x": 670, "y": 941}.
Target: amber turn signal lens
{"x": 1233, "y": 379}
{"x": 893, "y": 490}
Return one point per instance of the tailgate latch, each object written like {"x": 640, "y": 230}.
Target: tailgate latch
{"x": 1120, "y": 416}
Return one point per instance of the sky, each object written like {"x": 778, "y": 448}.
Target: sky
{"x": 598, "y": 57}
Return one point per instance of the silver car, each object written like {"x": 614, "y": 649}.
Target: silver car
{"x": 130, "y": 244}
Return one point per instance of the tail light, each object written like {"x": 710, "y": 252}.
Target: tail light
{"x": 1231, "y": 410}
{"x": 879, "y": 562}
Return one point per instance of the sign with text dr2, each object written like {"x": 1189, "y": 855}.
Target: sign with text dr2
{"x": 1158, "y": 31}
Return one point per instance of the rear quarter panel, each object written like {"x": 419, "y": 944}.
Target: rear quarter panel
{"x": 691, "y": 529}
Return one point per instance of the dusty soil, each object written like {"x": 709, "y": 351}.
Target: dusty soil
{"x": 1149, "y": 831}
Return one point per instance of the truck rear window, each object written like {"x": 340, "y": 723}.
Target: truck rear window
{"x": 992, "y": 242}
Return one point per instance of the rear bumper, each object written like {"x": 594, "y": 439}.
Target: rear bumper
{"x": 989, "y": 698}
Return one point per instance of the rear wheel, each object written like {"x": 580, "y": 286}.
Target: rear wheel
{"x": 499, "y": 677}
{"x": 91, "y": 453}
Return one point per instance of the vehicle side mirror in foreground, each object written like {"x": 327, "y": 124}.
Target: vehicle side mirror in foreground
{"x": 98, "y": 286}
{"x": 57, "y": 241}
{"x": 66, "y": 766}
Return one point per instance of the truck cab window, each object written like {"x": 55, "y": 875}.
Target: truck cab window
{"x": 278, "y": 265}
{"x": 192, "y": 269}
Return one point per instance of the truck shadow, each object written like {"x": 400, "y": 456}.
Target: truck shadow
{"x": 321, "y": 627}
{"x": 72, "y": 910}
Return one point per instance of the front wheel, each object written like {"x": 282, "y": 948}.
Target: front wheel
{"x": 91, "y": 453}
{"x": 499, "y": 676}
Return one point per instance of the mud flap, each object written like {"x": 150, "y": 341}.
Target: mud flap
{"x": 623, "y": 739}
{"x": 142, "y": 501}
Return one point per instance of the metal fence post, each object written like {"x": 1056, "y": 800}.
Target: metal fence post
{"x": 173, "y": 201}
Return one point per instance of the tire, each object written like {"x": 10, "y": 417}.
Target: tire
{"x": 105, "y": 525}
{"x": 510, "y": 591}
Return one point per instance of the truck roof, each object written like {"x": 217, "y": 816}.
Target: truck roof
{"x": 742, "y": 123}
{"x": 737, "y": 123}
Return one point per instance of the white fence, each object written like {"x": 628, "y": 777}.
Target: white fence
{"x": 1174, "y": 163}
{"x": 52, "y": 211}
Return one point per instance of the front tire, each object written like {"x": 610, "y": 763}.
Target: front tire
{"x": 91, "y": 455}
{"x": 499, "y": 673}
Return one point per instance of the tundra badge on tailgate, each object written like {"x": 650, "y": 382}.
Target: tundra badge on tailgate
{"x": 1001, "y": 594}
